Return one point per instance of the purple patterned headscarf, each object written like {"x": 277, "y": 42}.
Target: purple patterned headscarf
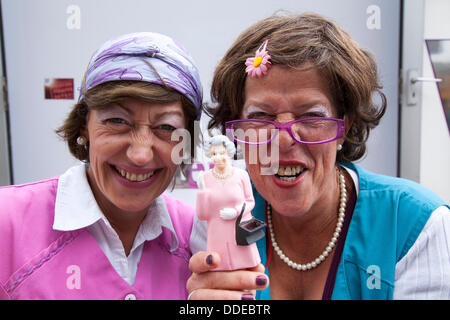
{"x": 137, "y": 56}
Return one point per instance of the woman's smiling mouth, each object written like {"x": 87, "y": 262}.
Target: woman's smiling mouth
{"x": 134, "y": 177}
{"x": 289, "y": 173}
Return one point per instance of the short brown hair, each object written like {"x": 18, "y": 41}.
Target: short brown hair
{"x": 116, "y": 91}
{"x": 305, "y": 41}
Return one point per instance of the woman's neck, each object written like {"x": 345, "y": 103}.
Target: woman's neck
{"x": 125, "y": 223}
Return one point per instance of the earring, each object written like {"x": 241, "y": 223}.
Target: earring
{"x": 81, "y": 141}
{"x": 339, "y": 147}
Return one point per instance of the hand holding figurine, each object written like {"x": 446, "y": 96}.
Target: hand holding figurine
{"x": 205, "y": 284}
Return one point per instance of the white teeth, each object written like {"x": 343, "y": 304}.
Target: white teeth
{"x": 287, "y": 179}
{"x": 284, "y": 171}
{"x": 134, "y": 177}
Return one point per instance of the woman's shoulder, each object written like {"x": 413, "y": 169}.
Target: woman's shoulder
{"x": 29, "y": 198}
{"x": 26, "y": 218}
{"x": 422, "y": 271}
{"x": 179, "y": 210}
{"x": 401, "y": 189}
{"x": 396, "y": 207}
{"x": 40, "y": 184}
{"x": 27, "y": 205}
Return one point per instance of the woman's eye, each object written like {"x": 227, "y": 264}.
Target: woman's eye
{"x": 260, "y": 115}
{"x": 117, "y": 121}
{"x": 164, "y": 131}
{"x": 314, "y": 115}
{"x": 167, "y": 127}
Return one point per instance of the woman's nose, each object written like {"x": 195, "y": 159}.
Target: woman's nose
{"x": 140, "y": 149}
{"x": 285, "y": 140}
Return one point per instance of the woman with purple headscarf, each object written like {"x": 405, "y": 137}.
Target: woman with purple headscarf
{"x": 103, "y": 229}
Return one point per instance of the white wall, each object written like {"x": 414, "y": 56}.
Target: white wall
{"x": 63, "y": 39}
{"x": 4, "y": 152}
{"x": 435, "y": 137}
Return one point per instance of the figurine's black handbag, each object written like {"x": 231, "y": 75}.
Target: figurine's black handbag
{"x": 250, "y": 231}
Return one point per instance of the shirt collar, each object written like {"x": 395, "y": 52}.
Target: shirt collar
{"x": 354, "y": 175}
{"x": 76, "y": 208}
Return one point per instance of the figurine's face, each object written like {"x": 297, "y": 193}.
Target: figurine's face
{"x": 219, "y": 156}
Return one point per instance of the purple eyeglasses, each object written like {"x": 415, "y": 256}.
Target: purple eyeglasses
{"x": 314, "y": 130}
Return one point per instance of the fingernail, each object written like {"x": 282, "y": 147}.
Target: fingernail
{"x": 261, "y": 281}
{"x": 247, "y": 296}
{"x": 209, "y": 259}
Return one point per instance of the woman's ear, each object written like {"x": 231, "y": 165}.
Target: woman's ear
{"x": 84, "y": 130}
{"x": 84, "y": 133}
{"x": 348, "y": 123}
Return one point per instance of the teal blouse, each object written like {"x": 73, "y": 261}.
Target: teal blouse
{"x": 388, "y": 217}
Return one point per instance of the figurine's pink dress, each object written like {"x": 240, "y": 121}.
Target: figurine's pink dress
{"x": 229, "y": 193}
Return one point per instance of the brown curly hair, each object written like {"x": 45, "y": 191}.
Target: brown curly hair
{"x": 313, "y": 41}
{"x": 116, "y": 91}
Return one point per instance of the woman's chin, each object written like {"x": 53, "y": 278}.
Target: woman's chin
{"x": 289, "y": 209}
{"x": 133, "y": 208}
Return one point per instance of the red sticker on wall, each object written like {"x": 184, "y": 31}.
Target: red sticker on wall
{"x": 59, "y": 88}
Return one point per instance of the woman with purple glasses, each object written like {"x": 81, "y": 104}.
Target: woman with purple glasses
{"x": 300, "y": 90}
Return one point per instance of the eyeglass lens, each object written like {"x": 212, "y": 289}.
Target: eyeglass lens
{"x": 314, "y": 130}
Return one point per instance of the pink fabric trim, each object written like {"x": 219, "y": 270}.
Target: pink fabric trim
{"x": 20, "y": 275}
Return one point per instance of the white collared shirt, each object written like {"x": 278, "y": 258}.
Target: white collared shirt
{"x": 76, "y": 208}
{"x": 424, "y": 272}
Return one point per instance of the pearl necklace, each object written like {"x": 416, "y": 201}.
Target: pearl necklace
{"x": 331, "y": 244}
{"x": 222, "y": 176}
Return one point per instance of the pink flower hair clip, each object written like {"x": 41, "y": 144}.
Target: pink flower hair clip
{"x": 258, "y": 66}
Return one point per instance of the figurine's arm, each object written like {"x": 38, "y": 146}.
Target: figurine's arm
{"x": 202, "y": 204}
{"x": 248, "y": 195}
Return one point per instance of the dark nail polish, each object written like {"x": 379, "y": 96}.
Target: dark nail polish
{"x": 209, "y": 259}
{"x": 247, "y": 296}
{"x": 261, "y": 281}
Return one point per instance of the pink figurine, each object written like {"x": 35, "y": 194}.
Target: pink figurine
{"x": 223, "y": 190}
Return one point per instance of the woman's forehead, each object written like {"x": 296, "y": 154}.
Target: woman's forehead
{"x": 133, "y": 106}
{"x": 286, "y": 88}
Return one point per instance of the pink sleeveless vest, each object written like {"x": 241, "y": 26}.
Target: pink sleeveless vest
{"x": 37, "y": 262}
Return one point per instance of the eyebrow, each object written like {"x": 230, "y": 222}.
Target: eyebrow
{"x": 157, "y": 116}
{"x": 254, "y": 104}
{"x": 271, "y": 109}
{"x": 168, "y": 113}
{"x": 112, "y": 106}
